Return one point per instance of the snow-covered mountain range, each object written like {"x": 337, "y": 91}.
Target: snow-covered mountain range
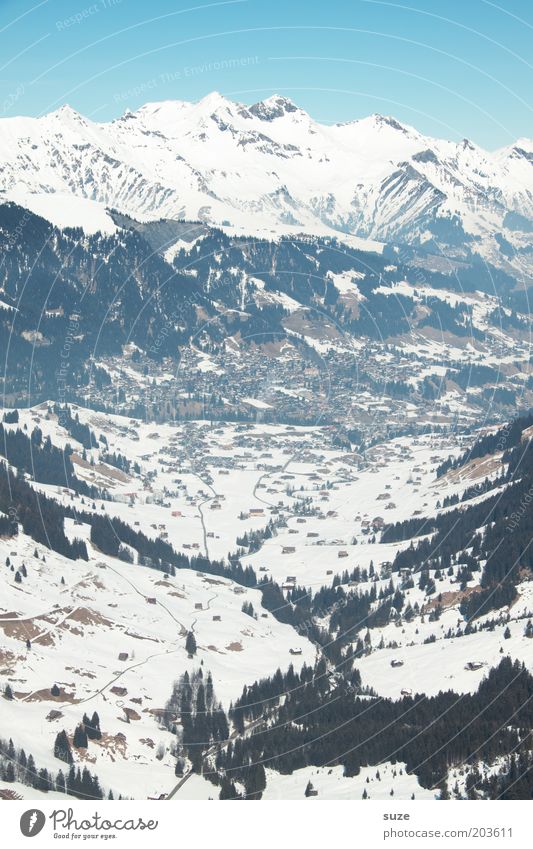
{"x": 242, "y": 476}
{"x": 270, "y": 168}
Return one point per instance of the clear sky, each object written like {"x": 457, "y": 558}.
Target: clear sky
{"x": 460, "y": 68}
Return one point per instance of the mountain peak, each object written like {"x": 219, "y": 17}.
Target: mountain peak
{"x": 379, "y": 122}
{"x": 389, "y": 121}
{"x": 274, "y": 107}
{"x": 66, "y": 113}
{"x": 214, "y": 100}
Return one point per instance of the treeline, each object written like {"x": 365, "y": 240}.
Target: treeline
{"x": 37, "y": 457}
{"x": 195, "y": 715}
{"x": 430, "y": 734}
{"x": 260, "y": 698}
{"x": 119, "y": 461}
{"x": 497, "y": 532}
{"x": 504, "y": 439}
{"x": 16, "y": 765}
{"x": 41, "y": 518}
{"x": 42, "y": 460}
{"x": 112, "y": 536}
{"x": 513, "y": 781}
{"x": 82, "y": 433}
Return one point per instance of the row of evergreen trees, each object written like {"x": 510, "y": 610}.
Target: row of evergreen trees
{"x": 504, "y": 545}
{"x": 16, "y": 765}
{"x": 41, "y": 517}
{"x": 319, "y": 725}
{"x": 195, "y": 715}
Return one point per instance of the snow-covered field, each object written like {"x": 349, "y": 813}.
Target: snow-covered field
{"x": 112, "y": 638}
{"x": 111, "y": 635}
{"x": 329, "y": 782}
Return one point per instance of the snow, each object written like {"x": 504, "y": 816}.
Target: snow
{"x": 66, "y": 210}
{"x": 77, "y": 631}
{"x": 268, "y": 170}
{"x": 330, "y": 783}
{"x": 441, "y": 665}
{"x": 208, "y": 486}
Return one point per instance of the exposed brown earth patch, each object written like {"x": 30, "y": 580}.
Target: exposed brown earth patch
{"x": 8, "y": 661}
{"x": 24, "y": 629}
{"x": 101, "y": 469}
{"x": 450, "y": 598}
{"x": 131, "y": 714}
{"x": 234, "y": 647}
{"x": 89, "y": 617}
{"x": 46, "y": 696}
{"x": 81, "y": 672}
{"x": 480, "y": 467}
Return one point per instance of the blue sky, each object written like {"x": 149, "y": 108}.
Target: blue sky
{"x": 454, "y": 69}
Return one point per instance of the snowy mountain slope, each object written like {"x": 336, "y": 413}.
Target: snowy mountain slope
{"x": 329, "y": 783}
{"x": 270, "y": 167}
{"x": 112, "y": 636}
{"x": 158, "y": 316}
{"x": 306, "y": 514}
{"x": 78, "y": 630}
{"x": 66, "y": 210}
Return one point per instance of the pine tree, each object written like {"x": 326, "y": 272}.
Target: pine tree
{"x": 61, "y": 786}
{"x": 227, "y": 789}
{"x": 255, "y": 781}
{"x": 92, "y": 726}
{"x": 31, "y": 771}
{"x": 80, "y": 737}
{"x": 71, "y": 780}
{"x": 190, "y": 644}
{"x": 43, "y": 781}
{"x": 62, "y": 748}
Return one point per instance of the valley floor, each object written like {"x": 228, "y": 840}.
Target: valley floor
{"x": 111, "y": 635}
